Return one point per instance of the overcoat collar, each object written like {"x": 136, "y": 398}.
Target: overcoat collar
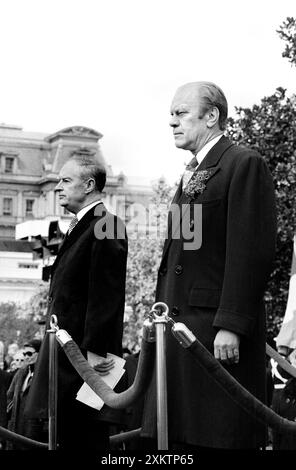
{"x": 211, "y": 160}
{"x": 215, "y": 154}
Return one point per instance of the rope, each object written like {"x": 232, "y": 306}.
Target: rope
{"x": 283, "y": 363}
{"x": 125, "y": 436}
{"x": 237, "y": 392}
{"x": 97, "y": 384}
{"x": 26, "y": 441}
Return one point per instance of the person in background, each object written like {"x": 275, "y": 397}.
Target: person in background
{"x": 1, "y": 355}
{"x": 17, "y": 361}
{"x": 11, "y": 350}
{"x": 284, "y": 400}
{"x": 17, "y": 395}
{"x": 5, "y": 380}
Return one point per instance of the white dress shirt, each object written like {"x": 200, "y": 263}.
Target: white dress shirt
{"x": 206, "y": 148}
{"x": 199, "y": 158}
{"x": 85, "y": 209}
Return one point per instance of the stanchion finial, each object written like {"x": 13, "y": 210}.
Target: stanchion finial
{"x": 53, "y": 323}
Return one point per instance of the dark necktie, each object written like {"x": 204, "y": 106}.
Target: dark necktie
{"x": 73, "y": 222}
{"x": 189, "y": 170}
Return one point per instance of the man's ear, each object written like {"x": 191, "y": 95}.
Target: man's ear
{"x": 213, "y": 116}
{"x": 90, "y": 185}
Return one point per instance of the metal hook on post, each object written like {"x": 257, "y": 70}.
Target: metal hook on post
{"x": 160, "y": 316}
{"x": 52, "y": 384}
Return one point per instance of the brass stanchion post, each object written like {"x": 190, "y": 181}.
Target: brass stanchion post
{"x": 160, "y": 311}
{"x": 52, "y": 385}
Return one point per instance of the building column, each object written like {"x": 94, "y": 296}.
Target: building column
{"x": 19, "y": 208}
{"x": 50, "y": 203}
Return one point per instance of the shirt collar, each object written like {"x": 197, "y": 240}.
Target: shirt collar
{"x": 206, "y": 148}
{"x": 85, "y": 209}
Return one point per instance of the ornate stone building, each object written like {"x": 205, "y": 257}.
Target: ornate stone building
{"x": 29, "y": 167}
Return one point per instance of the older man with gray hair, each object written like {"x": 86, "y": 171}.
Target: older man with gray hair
{"x": 215, "y": 287}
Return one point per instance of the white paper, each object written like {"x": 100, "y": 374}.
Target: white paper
{"x": 86, "y": 395}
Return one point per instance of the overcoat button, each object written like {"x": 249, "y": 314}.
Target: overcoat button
{"x": 175, "y": 311}
{"x": 178, "y": 269}
{"x": 49, "y": 300}
{"x": 288, "y": 400}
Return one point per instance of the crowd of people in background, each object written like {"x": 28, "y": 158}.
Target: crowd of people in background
{"x": 16, "y": 372}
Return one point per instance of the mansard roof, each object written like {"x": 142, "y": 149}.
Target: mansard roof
{"x": 39, "y": 155}
{"x": 75, "y": 132}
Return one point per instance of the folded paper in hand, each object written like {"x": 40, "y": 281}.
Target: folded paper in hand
{"x": 86, "y": 395}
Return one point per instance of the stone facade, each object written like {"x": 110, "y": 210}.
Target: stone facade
{"x": 29, "y": 167}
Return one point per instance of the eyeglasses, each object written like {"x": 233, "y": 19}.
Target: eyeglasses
{"x": 28, "y": 353}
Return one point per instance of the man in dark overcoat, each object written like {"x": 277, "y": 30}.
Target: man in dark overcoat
{"x": 215, "y": 282}
{"x": 87, "y": 294}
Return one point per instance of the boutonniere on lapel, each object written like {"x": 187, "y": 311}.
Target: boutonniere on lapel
{"x": 197, "y": 183}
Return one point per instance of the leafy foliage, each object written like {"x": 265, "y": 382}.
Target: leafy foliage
{"x": 38, "y": 302}
{"x": 270, "y": 128}
{"x": 287, "y": 32}
{"x": 143, "y": 261}
{"x": 15, "y": 327}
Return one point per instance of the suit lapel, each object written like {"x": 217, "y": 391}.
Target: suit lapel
{"x": 213, "y": 157}
{"x": 77, "y": 231}
{"x": 210, "y": 161}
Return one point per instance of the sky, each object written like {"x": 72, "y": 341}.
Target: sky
{"x": 114, "y": 66}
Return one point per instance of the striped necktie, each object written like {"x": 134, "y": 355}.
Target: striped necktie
{"x": 189, "y": 170}
{"x": 73, "y": 222}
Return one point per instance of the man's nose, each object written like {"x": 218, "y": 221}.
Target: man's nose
{"x": 174, "y": 121}
{"x": 58, "y": 186}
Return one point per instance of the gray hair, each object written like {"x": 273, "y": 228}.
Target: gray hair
{"x": 91, "y": 166}
{"x": 212, "y": 96}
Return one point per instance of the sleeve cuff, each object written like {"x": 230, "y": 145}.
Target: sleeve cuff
{"x": 233, "y": 321}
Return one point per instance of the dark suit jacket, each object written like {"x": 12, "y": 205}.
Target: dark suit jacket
{"x": 5, "y": 380}
{"x": 219, "y": 285}
{"x": 87, "y": 294}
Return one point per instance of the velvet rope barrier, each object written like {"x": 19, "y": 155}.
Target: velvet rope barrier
{"x": 230, "y": 385}
{"x": 96, "y": 383}
{"x": 125, "y": 436}
{"x": 26, "y": 441}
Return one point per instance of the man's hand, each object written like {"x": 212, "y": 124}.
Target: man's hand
{"x": 226, "y": 347}
{"x": 104, "y": 366}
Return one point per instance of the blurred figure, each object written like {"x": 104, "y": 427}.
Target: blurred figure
{"x": 17, "y": 361}
{"x": 11, "y": 351}
{"x": 284, "y": 404}
{"x": 17, "y": 395}
{"x": 5, "y": 380}
{"x": 1, "y": 355}
{"x": 31, "y": 350}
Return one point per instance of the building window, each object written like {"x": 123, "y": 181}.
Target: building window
{"x": 27, "y": 265}
{"x": 7, "y": 206}
{"x": 29, "y": 207}
{"x": 9, "y": 164}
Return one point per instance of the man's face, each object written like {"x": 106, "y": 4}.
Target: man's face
{"x": 29, "y": 353}
{"x": 190, "y": 131}
{"x": 18, "y": 360}
{"x": 71, "y": 187}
